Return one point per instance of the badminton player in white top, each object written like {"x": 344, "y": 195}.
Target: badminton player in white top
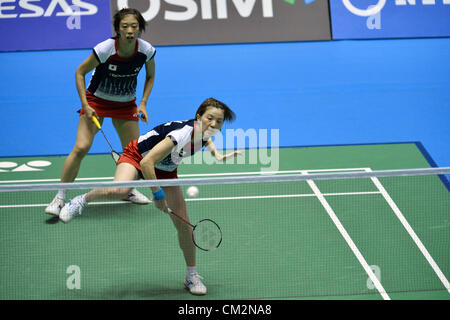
{"x": 111, "y": 93}
{"x": 156, "y": 155}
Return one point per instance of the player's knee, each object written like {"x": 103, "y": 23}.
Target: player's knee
{"x": 80, "y": 150}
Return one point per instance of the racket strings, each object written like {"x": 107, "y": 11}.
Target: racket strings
{"x": 115, "y": 155}
{"x": 207, "y": 235}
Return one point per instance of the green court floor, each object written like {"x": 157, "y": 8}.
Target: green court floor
{"x": 279, "y": 239}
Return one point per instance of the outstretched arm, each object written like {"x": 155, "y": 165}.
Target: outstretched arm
{"x": 216, "y": 154}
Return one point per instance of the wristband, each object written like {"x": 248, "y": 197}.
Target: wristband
{"x": 158, "y": 194}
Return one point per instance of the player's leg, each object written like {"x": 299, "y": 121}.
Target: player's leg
{"x": 176, "y": 202}
{"x": 128, "y": 130}
{"x": 124, "y": 172}
{"x": 85, "y": 136}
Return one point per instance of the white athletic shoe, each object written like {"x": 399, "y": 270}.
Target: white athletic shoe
{"x": 195, "y": 285}
{"x": 74, "y": 207}
{"x": 136, "y": 197}
{"x": 55, "y": 206}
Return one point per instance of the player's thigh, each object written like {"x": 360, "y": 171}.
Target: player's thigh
{"x": 128, "y": 130}
{"x": 86, "y": 132}
{"x": 125, "y": 172}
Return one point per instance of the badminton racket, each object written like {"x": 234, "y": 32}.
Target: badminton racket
{"x": 206, "y": 233}
{"x": 114, "y": 154}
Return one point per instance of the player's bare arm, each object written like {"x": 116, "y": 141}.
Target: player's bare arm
{"x": 155, "y": 155}
{"x": 211, "y": 147}
{"x": 85, "y": 67}
{"x": 148, "y": 86}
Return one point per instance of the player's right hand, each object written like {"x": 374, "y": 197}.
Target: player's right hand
{"x": 161, "y": 205}
{"x": 89, "y": 111}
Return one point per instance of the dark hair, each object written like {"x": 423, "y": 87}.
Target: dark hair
{"x": 126, "y": 11}
{"x": 211, "y": 102}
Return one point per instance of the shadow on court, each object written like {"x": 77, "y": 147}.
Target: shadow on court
{"x": 136, "y": 291}
{"x": 52, "y": 220}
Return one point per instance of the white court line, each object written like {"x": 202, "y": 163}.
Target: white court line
{"x": 348, "y": 239}
{"x": 411, "y": 232}
{"x": 181, "y": 176}
{"x": 206, "y": 199}
{"x": 36, "y": 205}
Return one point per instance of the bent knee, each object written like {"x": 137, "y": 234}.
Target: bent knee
{"x": 80, "y": 150}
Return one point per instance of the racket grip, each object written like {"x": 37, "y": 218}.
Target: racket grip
{"x": 94, "y": 118}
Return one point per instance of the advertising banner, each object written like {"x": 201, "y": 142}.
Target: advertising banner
{"x": 174, "y": 22}
{"x": 372, "y": 19}
{"x": 53, "y": 24}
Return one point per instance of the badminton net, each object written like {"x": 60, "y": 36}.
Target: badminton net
{"x": 289, "y": 236}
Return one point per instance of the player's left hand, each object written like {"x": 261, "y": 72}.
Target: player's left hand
{"x": 236, "y": 153}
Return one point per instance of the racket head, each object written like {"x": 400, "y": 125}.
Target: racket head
{"x": 207, "y": 235}
{"x": 115, "y": 155}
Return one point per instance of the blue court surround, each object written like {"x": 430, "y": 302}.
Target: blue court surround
{"x": 315, "y": 93}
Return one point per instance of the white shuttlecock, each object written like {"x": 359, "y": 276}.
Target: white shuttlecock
{"x": 192, "y": 192}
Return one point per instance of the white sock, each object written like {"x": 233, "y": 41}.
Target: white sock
{"x": 191, "y": 270}
{"x": 61, "y": 194}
